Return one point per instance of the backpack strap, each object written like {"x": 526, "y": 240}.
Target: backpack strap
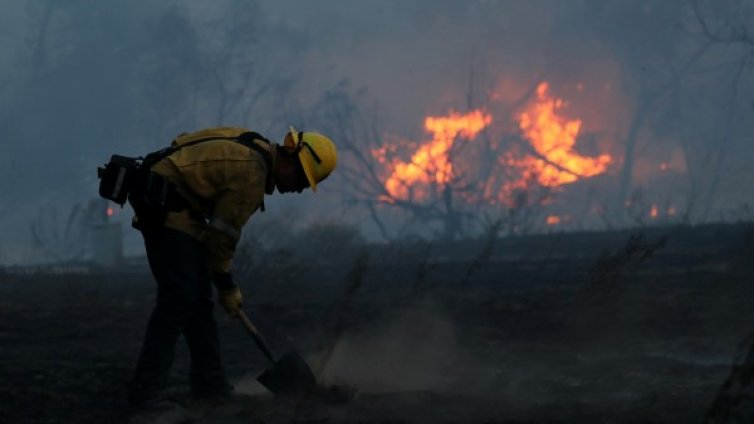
{"x": 255, "y": 141}
{"x": 249, "y": 139}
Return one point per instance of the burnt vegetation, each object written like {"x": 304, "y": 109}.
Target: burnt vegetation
{"x": 625, "y": 326}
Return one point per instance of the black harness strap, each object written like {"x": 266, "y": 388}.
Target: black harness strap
{"x": 247, "y": 139}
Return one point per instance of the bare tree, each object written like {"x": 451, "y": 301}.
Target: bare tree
{"x": 660, "y": 62}
{"x": 61, "y": 237}
{"x": 726, "y": 25}
{"x": 726, "y": 22}
{"x": 357, "y": 133}
{"x": 234, "y": 75}
{"x": 459, "y": 205}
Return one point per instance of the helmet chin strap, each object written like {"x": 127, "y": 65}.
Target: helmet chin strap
{"x": 314, "y": 154}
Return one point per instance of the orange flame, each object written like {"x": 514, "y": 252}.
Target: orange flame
{"x": 553, "y": 138}
{"x": 547, "y": 159}
{"x": 553, "y": 220}
{"x": 431, "y": 163}
{"x": 110, "y": 211}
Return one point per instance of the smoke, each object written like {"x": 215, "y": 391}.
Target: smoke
{"x": 419, "y": 357}
{"x": 417, "y": 350}
{"x": 413, "y": 352}
{"x": 268, "y": 64}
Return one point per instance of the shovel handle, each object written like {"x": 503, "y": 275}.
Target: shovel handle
{"x": 254, "y": 333}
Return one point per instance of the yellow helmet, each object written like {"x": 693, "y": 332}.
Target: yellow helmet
{"x": 317, "y": 154}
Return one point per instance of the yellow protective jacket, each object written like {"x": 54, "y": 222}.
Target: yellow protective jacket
{"x": 224, "y": 181}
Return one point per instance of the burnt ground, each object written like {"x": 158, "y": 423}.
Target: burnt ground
{"x": 622, "y": 327}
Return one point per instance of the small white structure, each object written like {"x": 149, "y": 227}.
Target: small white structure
{"x": 106, "y": 234}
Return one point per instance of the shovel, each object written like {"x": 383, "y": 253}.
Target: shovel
{"x": 289, "y": 375}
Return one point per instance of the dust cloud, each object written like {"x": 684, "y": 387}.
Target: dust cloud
{"x": 418, "y": 350}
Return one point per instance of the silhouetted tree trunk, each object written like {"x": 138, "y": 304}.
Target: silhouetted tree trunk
{"x": 629, "y": 150}
{"x": 721, "y": 147}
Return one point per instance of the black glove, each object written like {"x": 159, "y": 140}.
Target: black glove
{"x": 223, "y": 280}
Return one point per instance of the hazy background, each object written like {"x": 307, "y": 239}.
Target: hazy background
{"x": 652, "y": 83}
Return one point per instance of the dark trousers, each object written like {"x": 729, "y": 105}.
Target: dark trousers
{"x": 184, "y": 306}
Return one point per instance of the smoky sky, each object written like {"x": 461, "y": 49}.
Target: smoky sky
{"x": 81, "y": 80}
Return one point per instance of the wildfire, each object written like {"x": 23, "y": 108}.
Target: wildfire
{"x": 552, "y": 220}
{"x": 553, "y": 138}
{"x": 546, "y": 158}
{"x": 431, "y": 163}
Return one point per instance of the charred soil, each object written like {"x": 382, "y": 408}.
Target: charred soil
{"x": 623, "y": 327}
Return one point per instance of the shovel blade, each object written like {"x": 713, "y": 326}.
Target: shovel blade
{"x": 290, "y": 375}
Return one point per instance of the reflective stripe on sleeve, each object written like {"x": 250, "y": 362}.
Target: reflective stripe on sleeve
{"x": 225, "y": 228}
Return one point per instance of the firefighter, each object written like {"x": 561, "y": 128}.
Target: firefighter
{"x": 217, "y": 178}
